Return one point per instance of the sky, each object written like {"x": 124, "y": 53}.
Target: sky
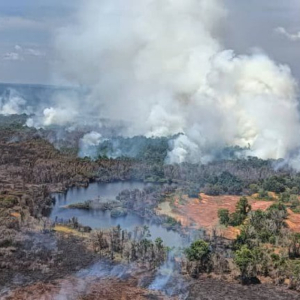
{"x": 28, "y": 28}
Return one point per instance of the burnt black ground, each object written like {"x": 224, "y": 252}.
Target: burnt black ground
{"x": 210, "y": 289}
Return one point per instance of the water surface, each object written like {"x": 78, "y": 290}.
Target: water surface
{"x": 100, "y": 219}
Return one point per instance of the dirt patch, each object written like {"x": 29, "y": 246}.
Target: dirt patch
{"x": 165, "y": 208}
{"x": 293, "y": 221}
{"x": 204, "y": 213}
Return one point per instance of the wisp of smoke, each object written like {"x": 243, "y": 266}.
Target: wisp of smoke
{"x": 163, "y": 277}
{"x": 169, "y": 281}
{"x": 159, "y": 67}
{"x": 83, "y": 278}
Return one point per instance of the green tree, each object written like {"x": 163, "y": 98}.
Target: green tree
{"x": 275, "y": 184}
{"x": 223, "y": 215}
{"x": 243, "y": 206}
{"x": 294, "y": 246}
{"x": 247, "y": 261}
{"x": 242, "y": 209}
{"x": 159, "y": 243}
{"x": 236, "y": 219}
{"x": 198, "y": 251}
{"x": 199, "y": 256}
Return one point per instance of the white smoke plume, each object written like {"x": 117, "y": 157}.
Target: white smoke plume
{"x": 12, "y": 103}
{"x": 52, "y": 116}
{"x": 63, "y": 108}
{"x": 88, "y": 144}
{"x": 159, "y": 66}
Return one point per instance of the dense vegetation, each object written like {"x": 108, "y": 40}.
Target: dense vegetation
{"x": 265, "y": 247}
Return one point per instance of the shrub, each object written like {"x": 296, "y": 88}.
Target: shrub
{"x": 197, "y": 251}
{"x": 295, "y": 202}
{"x": 254, "y": 188}
{"x": 243, "y": 206}
{"x": 277, "y": 210}
{"x": 193, "y": 192}
{"x": 285, "y": 197}
{"x": 262, "y": 194}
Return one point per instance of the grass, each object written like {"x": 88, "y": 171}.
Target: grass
{"x": 65, "y": 229}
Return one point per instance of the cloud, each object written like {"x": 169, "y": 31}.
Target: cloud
{"x": 294, "y": 37}
{"x": 12, "y": 56}
{"x": 18, "y": 48}
{"x": 34, "y": 52}
{"x": 21, "y": 53}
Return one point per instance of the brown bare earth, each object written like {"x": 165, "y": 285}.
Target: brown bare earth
{"x": 204, "y": 213}
{"x": 293, "y": 221}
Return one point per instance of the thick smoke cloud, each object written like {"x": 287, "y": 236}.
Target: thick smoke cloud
{"x": 159, "y": 67}
{"x": 11, "y": 102}
{"x": 88, "y": 144}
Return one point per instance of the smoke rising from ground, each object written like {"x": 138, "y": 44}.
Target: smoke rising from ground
{"x": 89, "y": 144}
{"x": 159, "y": 67}
{"x": 85, "y": 277}
{"x": 12, "y": 102}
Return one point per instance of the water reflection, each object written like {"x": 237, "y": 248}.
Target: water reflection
{"x": 100, "y": 219}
